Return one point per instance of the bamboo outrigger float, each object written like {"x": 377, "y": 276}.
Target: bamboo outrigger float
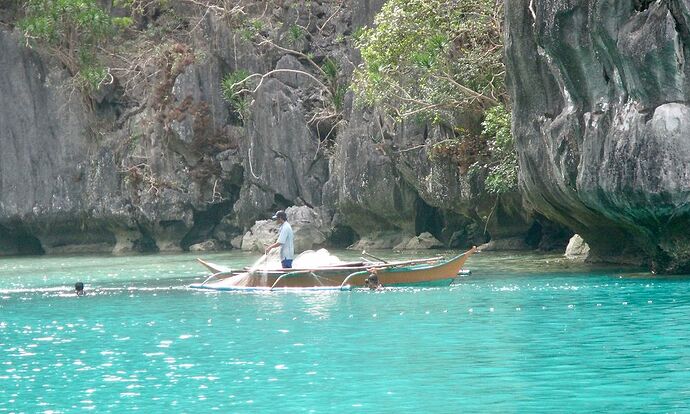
{"x": 435, "y": 271}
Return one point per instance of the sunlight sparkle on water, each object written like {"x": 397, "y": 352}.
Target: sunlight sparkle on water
{"x": 517, "y": 335}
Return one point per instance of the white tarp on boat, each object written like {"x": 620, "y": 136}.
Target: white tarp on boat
{"x": 311, "y": 259}
{"x": 308, "y": 259}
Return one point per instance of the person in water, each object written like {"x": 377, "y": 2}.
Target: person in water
{"x": 79, "y": 289}
{"x": 372, "y": 282}
{"x": 285, "y": 240}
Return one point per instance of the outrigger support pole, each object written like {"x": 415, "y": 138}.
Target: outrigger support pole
{"x": 351, "y": 275}
{"x": 364, "y": 253}
{"x": 288, "y": 275}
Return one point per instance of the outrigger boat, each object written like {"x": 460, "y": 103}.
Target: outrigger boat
{"x": 435, "y": 271}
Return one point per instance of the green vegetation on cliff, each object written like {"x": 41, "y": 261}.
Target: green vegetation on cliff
{"x": 436, "y": 59}
{"x": 71, "y": 30}
{"x": 86, "y": 37}
{"x": 502, "y": 161}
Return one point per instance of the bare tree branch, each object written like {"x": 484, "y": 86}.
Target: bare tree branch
{"x": 294, "y": 52}
{"x": 340, "y": 6}
{"x": 269, "y": 73}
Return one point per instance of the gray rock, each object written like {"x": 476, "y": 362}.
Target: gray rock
{"x": 424, "y": 241}
{"x": 309, "y": 228}
{"x": 78, "y": 188}
{"x": 126, "y": 241}
{"x": 262, "y": 234}
{"x": 236, "y": 242}
{"x": 599, "y": 94}
{"x": 379, "y": 240}
{"x": 282, "y": 154}
{"x": 577, "y": 249}
{"x": 384, "y": 179}
{"x": 515, "y": 243}
{"x": 364, "y": 186}
{"x": 403, "y": 244}
{"x": 207, "y": 246}
{"x": 169, "y": 163}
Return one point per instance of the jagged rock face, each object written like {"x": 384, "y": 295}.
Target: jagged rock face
{"x": 601, "y": 122}
{"x": 167, "y": 164}
{"x": 66, "y": 186}
{"x": 283, "y": 157}
{"x": 441, "y": 183}
{"x": 174, "y": 168}
{"x": 48, "y": 171}
{"x": 383, "y": 180}
{"x": 365, "y": 187}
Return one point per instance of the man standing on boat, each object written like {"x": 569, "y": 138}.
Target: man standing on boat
{"x": 285, "y": 240}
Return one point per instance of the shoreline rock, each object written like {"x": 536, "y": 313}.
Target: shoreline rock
{"x": 577, "y": 250}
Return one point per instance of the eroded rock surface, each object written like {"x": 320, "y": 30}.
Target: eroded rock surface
{"x": 600, "y": 92}
{"x": 159, "y": 161}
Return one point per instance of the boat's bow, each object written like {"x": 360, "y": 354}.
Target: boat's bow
{"x": 439, "y": 273}
{"x": 214, "y": 268}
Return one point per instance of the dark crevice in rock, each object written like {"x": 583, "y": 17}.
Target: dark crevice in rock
{"x": 169, "y": 233}
{"x": 607, "y": 78}
{"x": 642, "y": 5}
{"x": 109, "y": 103}
{"x": 280, "y": 203}
{"x": 428, "y": 219}
{"x": 462, "y": 233}
{"x": 682, "y": 25}
{"x": 342, "y": 236}
{"x": 205, "y": 222}
{"x": 145, "y": 244}
{"x": 73, "y": 234}
{"x": 614, "y": 72}
{"x": 16, "y": 241}
{"x": 545, "y": 235}
{"x": 647, "y": 113}
{"x": 534, "y": 235}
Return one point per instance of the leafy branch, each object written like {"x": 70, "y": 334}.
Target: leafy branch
{"x": 435, "y": 59}
{"x": 70, "y": 30}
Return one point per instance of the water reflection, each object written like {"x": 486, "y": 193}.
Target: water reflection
{"x": 320, "y": 305}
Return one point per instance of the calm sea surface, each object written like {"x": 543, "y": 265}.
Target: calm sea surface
{"x": 522, "y": 334}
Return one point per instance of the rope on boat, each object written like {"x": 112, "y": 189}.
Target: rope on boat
{"x": 364, "y": 253}
{"x": 214, "y": 275}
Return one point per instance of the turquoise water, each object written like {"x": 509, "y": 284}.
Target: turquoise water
{"x": 522, "y": 334}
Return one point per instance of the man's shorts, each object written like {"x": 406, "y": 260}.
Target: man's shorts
{"x": 287, "y": 263}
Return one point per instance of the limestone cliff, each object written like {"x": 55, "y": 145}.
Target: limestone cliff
{"x": 601, "y": 120}
{"x": 160, "y": 161}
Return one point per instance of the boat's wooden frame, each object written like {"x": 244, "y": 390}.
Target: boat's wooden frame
{"x": 433, "y": 271}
